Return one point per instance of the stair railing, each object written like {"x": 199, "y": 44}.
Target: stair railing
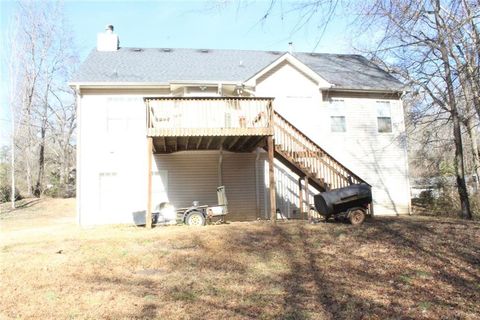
{"x": 310, "y": 157}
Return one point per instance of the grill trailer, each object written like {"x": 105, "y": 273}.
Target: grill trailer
{"x": 353, "y": 203}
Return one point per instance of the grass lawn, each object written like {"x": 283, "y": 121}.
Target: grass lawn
{"x": 400, "y": 268}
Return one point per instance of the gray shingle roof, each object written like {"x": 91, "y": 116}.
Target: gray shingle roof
{"x": 165, "y": 66}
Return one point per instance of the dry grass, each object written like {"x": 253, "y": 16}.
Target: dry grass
{"x": 402, "y": 268}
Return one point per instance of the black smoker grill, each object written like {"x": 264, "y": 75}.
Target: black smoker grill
{"x": 352, "y": 202}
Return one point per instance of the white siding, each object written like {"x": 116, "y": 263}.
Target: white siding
{"x": 287, "y": 191}
{"x": 238, "y": 176}
{"x": 119, "y": 154}
{"x": 195, "y": 175}
{"x": 191, "y": 176}
{"x": 297, "y": 97}
{"x": 379, "y": 158}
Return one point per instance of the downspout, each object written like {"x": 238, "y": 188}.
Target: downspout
{"x": 220, "y": 165}
{"x": 248, "y": 90}
{"x": 220, "y": 89}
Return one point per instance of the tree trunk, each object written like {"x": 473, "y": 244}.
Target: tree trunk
{"x": 41, "y": 163}
{"x": 41, "y": 157}
{"x": 29, "y": 174}
{"x": 457, "y": 133}
{"x": 41, "y": 167}
{"x": 460, "y": 167}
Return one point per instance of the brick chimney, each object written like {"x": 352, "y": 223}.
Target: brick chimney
{"x": 107, "y": 41}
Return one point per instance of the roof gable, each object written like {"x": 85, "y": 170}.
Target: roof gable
{"x": 287, "y": 57}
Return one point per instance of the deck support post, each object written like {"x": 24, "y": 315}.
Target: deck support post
{"x": 300, "y": 198}
{"x": 271, "y": 174}
{"x": 148, "y": 215}
{"x": 307, "y": 197}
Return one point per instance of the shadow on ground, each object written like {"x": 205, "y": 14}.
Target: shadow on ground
{"x": 401, "y": 268}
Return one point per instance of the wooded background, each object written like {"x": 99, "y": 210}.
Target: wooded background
{"x": 41, "y": 56}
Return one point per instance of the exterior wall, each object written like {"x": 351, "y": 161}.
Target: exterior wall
{"x": 379, "y": 158}
{"x": 195, "y": 175}
{"x": 243, "y": 183}
{"x": 112, "y": 157}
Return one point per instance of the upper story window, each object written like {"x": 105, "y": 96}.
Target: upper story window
{"x": 384, "y": 117}
{"x": 116, "y": 121}
{"x": 337, "y": 116}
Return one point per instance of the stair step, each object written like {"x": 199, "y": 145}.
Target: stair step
{"x": 309, "y": 158}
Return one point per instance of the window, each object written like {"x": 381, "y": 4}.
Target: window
{"x": 337, "y": 116}
{"x": 116, "y": 121}
{"x": 122, "y": 117}
{"x": 337, "y": 124}
{"x": 384, "y": 118}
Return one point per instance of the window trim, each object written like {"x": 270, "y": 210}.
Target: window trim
{"x": 335, "y": 111}
{"x": 344, "y": 124}
{"x": 377, "y": 116}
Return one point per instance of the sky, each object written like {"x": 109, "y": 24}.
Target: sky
{"x": 214, "y": 24}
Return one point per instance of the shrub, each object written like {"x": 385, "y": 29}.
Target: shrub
{"x": 447, "y": 203}
{"x": 58, "y": 188}
{"x": 5, "y": 193}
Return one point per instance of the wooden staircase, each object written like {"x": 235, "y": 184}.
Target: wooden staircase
{"x": 308, "y": 159}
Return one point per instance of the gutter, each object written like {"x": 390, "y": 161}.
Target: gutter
{"x": 146, "y": 84}
{"x": 142, "y": 85}
{"x": 338, "y": 89}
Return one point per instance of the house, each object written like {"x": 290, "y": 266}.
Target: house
{"x": 170, "y": 125}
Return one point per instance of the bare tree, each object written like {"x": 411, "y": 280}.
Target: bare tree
{"x": 43, "y": 50}
{"x": 419, "y": 39}
{"x": 433, "y": 46}
{"x": 13, "y": 72}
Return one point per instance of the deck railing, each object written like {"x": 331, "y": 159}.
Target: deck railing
{"x": 292, "y": 144}
{"x": 209, "y": 116}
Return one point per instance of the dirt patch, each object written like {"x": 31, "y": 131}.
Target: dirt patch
{"x": 402, "y": 268}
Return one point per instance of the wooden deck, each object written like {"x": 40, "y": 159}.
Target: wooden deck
{"x": 209, "y": 117}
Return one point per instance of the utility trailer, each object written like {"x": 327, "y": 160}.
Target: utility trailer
{"x": 197, "y": 214}
{"x": 353, "y": 203}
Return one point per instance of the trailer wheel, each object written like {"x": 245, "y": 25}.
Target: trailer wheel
{"x": 195, "y": 218}
{"x": 356, "y": 216}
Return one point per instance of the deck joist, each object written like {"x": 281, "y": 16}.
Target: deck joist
{"x": 239, "y": 143}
